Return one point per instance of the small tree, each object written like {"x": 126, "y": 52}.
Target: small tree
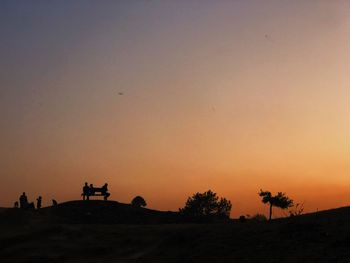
{"x": 138, "y": 201}
{"x": 280, "y": 200}
{"x": 206, "y": 204}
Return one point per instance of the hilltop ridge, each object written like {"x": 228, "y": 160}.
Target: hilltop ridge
{"x": 113, "y": 212}
{"x": 78, "y": 231}
{"x": 100, "y": 212}
{"x": 100, "y": 231}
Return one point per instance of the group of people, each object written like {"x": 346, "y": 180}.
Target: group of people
{"x": 88, "y": 190}
{"x": 24, "y": 204}
{"x": 91, "y": 191}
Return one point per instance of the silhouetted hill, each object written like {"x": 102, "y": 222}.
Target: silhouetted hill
{"x": 99, "y": 212}
{"x": 331, "y": 215}
{"x": 58, "y": 234}
{"x": 108, "y": 212}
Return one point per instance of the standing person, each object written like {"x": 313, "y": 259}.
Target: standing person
{"x": 86, "y": 191}
{"x": 23, "y": 201}
{"x": 38, "y": 202}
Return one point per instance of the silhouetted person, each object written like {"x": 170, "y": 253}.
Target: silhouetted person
{"x": 38, "y": 202}
{"x": 104, "y": 189}
{"x": 86, "y": 191}
{"x": 54, "y": 202}
{"x": 23, "y": 201}
{"x": 91, "y": 189}
{"x": 16, "y": 204}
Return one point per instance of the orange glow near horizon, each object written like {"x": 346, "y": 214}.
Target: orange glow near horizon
{"x": 232, "y": 97}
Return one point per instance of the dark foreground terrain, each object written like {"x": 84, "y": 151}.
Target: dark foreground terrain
{"x": 57, "y": 235}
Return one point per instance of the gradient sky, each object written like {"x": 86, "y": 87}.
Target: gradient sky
{"x": 231, "y": 96}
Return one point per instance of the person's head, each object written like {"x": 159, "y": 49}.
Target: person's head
{"x": 24, "y": 193}
{"x": 39, "y": 197}
{"x": 91, "y": 185}
{"x": 106, "y": 184}
{"x": 86, "y": 184}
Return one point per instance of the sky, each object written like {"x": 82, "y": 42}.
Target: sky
{"x": 164, "y": 99}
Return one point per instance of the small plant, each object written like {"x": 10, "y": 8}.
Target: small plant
{"x": 258, "y": 218}
{"x": 297, "y": 210}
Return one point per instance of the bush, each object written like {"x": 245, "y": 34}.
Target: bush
{"x": 138, "y": 201}
{"x": 207, "y": 204}
{"x": 242, "y": 219}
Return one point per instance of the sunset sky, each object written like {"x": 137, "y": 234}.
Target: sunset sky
{"x": 167, "y": 98}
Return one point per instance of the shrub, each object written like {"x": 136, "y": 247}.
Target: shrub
{"x": 242, "y": 219}
{"x": 207, "y": 204}
{"x": 138, "y": 201}
{"x": 297, "y": 210}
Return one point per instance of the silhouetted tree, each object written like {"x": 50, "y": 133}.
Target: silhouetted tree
{"x": 138, "y": 201}
{"x": 205, "y": 204}
{"x": 280, "y": 200}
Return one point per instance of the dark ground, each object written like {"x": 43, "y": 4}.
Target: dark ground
{"x": 55, "y": 235}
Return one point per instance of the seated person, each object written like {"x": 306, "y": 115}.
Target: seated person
{"x": 104, "y": 189}
{"x": 104, "y": 192}
{"x": 91, "y": 189}
{"x": 86, "y": 191}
